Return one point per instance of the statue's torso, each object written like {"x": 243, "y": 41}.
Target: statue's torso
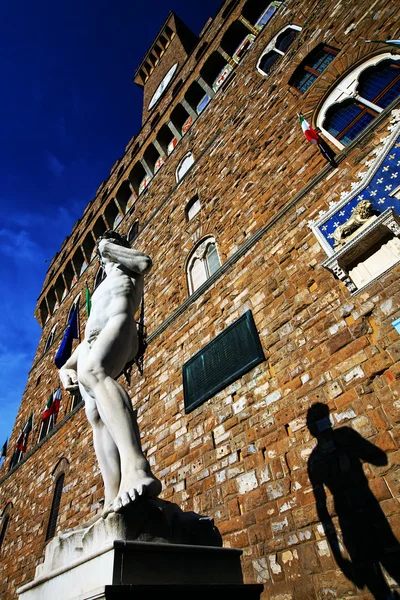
{"x": 118, "y": 295}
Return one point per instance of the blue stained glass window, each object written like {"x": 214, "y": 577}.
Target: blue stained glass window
{"x": 357, "y": 128}
{"x": 308, "y": 71}
{"x": 341, "y": 116}
{"x": 390, "y": 95}
{"x": 304, "y": 82}
{"x": 376, "y": 80}
{"x": 321, "y": 59}
{"x": 267, "y": 61}
{"x": 286, "y": 38}
{"x": 266, "y": 15}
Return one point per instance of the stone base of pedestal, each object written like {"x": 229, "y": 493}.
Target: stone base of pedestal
{"x": 177, "y": 592}
{"x": 124, "y": 563}
{"x": 124, "y": 554}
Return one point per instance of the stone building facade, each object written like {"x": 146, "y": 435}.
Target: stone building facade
{"x": 238, "y": 212}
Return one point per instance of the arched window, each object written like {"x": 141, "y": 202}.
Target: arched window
{"x": 133, "y": 232}
{"x": 277, "y": 48}
{"x": 184, "y": 166}
{"x": 259, "y": 13}
{"x": 358, "y": 98}
{"x": 4, "y": 521}
{"x": 311, "y": 67}
{"x": 55, "y": 507}
{"x": 203, "y": 262}
{"x": 192, "y": 207}
{"x": 50, "y": 339}
{"x": 100, "y": 275}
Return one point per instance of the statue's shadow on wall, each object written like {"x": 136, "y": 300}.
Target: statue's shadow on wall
{"x": 336, "y": 464}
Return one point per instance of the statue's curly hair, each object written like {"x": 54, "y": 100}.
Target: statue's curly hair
{"x": 114, "y": 237}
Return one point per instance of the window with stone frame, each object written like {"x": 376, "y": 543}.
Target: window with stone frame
{"x": 277, "y": 48}
{"x": 359, "y": 98}
{"x": 133, "y": 232}
{"x": 4, "y": 522}
{"x": 184, "y": 166}
{"x": 203, "y": 262}
{"x": 55, "y": 507}
{"x": 50, "y": 339}
{"x": 192, "y": 207}
{"x": 312, "y": 67}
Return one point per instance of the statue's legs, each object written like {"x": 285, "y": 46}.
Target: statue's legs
{"x": 114, "y": 420}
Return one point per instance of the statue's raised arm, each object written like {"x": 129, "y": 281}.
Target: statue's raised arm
{"x": 134, "y": 260}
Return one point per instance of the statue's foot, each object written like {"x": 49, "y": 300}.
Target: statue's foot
{"x": 139, "y": 486}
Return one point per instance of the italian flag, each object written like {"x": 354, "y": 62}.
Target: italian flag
{"x": 310, "y": 133}
{"x": 47, "y": 411}
{"x": 53, "y": 405}
{"x": 314, "y": 138}
{"x": 23, "y": 438}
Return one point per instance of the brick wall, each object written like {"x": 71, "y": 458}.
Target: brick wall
{"x": 243, "y": 456}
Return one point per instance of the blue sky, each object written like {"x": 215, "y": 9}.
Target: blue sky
{"x": 68, "y": 107}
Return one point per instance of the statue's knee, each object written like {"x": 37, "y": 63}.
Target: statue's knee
{"x": 92, "y": 414}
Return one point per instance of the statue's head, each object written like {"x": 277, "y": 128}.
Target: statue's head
{"x": 114, "y": 237}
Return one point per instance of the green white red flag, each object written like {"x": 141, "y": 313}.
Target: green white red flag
{"x": 23, "y": 438}
{"x": 314, "y": 138}
{"x": 310, "y": 133}
{"x": 53, "y": 404}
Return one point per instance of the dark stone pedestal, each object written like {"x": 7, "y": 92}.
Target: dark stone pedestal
{"x": 152, "y": 550}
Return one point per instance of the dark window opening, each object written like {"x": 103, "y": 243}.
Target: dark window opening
{"x": 6, "y": 520}
{"x": 89, "y": 247}
{"x": 213, "y": 67}
{"x": 123, "y": 195}
{"x": 152, "y": 158}
{"x": 234, "y": 36}
{"x": 229, "y": 9}
{"x": 196, "y": 97}
{"x": 267, "y": 61}
{"x": 55, "y": 507}
{"x": 136, "y": 176}
{"x": 259, "y": 13}
{"x": 166, "y": 139}
{"x": 286, "y": 39}
{"x": 180, "y": 118}
{"x": 133, "y": 232}
{"x": 99, "y": 228}
{"x": 310, "y": 69}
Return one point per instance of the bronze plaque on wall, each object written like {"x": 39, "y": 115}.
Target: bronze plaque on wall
{"x": 223, "y": 360}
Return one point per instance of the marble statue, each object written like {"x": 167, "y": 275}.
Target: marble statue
{"x": 361, "y": 214}
{"x": 110, "y": 342}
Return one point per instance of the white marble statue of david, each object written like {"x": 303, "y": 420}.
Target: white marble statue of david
{"x": 110, "y": 342}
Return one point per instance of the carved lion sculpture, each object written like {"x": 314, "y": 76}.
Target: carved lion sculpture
{"x": 362, "y": 212}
